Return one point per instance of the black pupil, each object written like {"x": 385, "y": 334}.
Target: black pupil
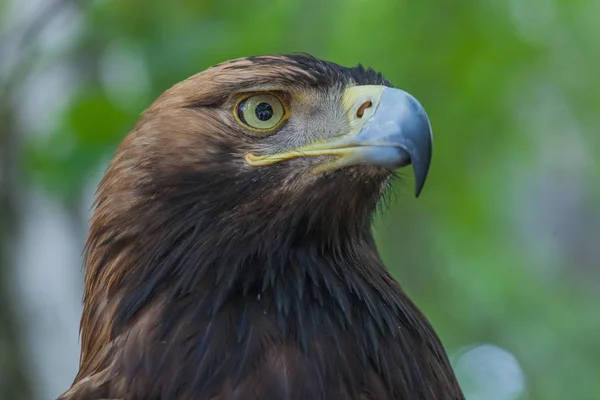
{"x": 264, "y": 111}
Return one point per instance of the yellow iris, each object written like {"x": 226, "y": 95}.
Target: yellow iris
{"x": 260, "y": 112}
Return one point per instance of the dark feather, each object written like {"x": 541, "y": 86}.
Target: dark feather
{"x": 207, "y": 281}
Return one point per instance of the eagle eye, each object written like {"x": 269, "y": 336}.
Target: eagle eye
{"x": 260, "y": 112}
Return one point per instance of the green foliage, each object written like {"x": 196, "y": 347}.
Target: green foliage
{"x": 92, "y": 126}
{"x": 500, "y": 80}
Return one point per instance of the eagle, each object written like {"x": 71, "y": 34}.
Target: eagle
{"x": 230, "y": 254}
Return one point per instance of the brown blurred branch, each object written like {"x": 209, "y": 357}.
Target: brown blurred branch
{"x": 29, "y": 31}
{"x": 14, "y": 379}
{"x": 26, "y": 39}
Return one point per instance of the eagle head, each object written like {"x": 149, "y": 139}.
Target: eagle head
{"x": 267, "y": 145}
{"x": 230, "y": 248}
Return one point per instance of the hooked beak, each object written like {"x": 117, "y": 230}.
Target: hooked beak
{"x": 388, "y": 128}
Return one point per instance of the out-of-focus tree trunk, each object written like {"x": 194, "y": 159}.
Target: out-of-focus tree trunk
{"x": 14, "y": 374}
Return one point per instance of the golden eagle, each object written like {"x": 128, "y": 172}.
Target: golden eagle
{"x": 230, "y": 254}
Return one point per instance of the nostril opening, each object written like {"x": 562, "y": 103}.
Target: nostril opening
{"x": 361, "y": 110}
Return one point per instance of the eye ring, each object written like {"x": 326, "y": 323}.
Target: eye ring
{"x": 260, "y": 112}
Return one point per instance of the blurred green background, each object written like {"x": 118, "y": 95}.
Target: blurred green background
{"x": 502, "y": 250}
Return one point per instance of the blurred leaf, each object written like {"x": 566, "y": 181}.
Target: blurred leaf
{"x": 92, "y": 127}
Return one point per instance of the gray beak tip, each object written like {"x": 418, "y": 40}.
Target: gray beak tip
{"x": 420, "y": 161}
{"x": 420, "y": 177}
{"x": 417, "y": 141}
